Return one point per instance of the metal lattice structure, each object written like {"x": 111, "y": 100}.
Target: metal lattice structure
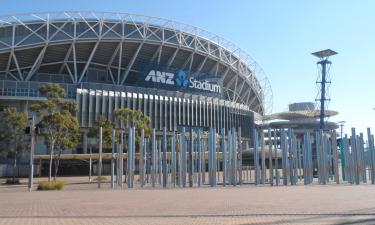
{"x": 70, "y": 43}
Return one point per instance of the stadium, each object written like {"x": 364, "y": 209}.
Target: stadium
{"x": 179, "y": 75}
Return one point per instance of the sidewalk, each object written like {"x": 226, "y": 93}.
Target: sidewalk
{"x": 248, "y": 204}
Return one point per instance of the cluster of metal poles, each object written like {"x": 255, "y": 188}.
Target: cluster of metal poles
{"x": 189, "y": 158}
{"x": 313, "y": 155}
{"x": 193, "y": 157}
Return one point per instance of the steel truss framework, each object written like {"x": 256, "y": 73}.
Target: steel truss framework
{"x": 70, "y": 43}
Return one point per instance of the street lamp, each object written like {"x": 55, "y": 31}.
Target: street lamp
{"x": 341, "y": 126}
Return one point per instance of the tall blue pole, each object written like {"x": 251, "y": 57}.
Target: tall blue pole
{"x": 164, "y": 146}
{"x": 323, "y": 91}
{"x": 255, "y": 156}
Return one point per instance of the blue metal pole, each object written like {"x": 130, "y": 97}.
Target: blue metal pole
{"x": 173, "y": 153}
{"x": 224, "y": 156}
{"x": 199, "y": 157}
{"x": 234, "y": 157}
{"x": 255, "y": 156}
{"x": 130, "y": 146}
{"x": 355, "y": 156}
{"x": 276, "y": 159}
{"x": 113, "y": 158}
{"x": 153, "y": 156}
{"x": 370, "y": 155}
{"x": 184, "y": 163}
{"x": 164, "y": 146}
{"x": 284, "y": 158}
{"x": 291, "y": 156}
{"x": 362, "y": 155}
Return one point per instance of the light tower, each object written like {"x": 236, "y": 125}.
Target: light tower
{"x": 323, "y": 62}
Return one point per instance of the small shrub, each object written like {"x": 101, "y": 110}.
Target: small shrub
{"x": 53, "y": 185}
{"x": 11, "y": 181}
{"x": 101, "y": 178}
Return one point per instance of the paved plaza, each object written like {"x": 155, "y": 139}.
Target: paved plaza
{"x": 83, "y": 203}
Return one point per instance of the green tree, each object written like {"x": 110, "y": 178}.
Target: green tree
{"x": 135, "y": 119}
{"x": 59, "y": 125}
{"x": 12, "y": 135}
{"x": 107, "y": 127}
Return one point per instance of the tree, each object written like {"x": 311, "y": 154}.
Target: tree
{"x": 58, "y": 123}
{"x": 107, "y": 131}
{"x": 12, "y": 135}
{"x": 135, "y": 119}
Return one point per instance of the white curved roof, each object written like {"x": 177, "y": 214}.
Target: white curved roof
{"x": 69, "y": 43}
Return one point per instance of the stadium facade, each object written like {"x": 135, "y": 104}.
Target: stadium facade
{"x": 179, "y": 75}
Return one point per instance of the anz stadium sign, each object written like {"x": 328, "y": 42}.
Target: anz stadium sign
{"x": 179, "y": 79}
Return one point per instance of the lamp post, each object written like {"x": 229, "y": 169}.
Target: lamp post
{"x": 323, "y": 62}
{"x": 342, "y": 150}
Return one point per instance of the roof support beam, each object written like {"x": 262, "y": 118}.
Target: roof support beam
{"x": 119, "y": 63}
{"x": 37, "y": 63}
{"x": 191, "y": 62}
{"x": 156, "y": 53}
{"x": 200, "y": 67}
{"x": 230, "y": 99}
{"x": 70, "y": 72}
{"x": 14, "y": 77}
{"x": 89, "y": 61}
{"x": 171, "y": 59}
{"x": 9, "y": 62}
{"x": 66, "y": 59}
{"x": 75, "y": 62}
{"x": 130, "y": 65}
{"x": 252, "y": 100}
{"x": 109, "y": 65}
{"x": 248, "y": 96}
{"x": 187, "y": 60}
{"x": 111, "y": 75}
{"x": 160, "y": 52}
{"x": 232, "y": 79}
{"x": 235, "y": 86}
{"x": 17, "y": 65}
{"x": 239, "y": 92}
{"x": 214, "y": 68}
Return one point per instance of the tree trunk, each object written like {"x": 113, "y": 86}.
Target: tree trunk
{"x": 50, "y": 162}
{"x": 57, "y": 164}
{"x": 14, "y": 167}
{"x": 15, "y": 161}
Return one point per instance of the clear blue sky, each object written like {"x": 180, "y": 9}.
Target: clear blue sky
{"x": 279, "y": 35}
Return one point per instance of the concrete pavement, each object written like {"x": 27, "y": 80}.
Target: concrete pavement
{"x": 84, "y": 204}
